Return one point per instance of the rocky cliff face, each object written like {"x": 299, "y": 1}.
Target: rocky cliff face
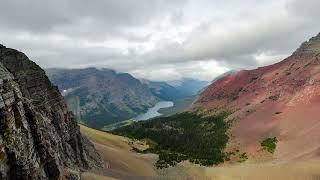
{"x": 281, "y": 100}
{"x": 39, "y": 138}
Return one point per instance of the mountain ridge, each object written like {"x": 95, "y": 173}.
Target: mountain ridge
{"x": 279, "y": 100}
{"x": 102, "y": 96}
{"x": 173, "y": 91}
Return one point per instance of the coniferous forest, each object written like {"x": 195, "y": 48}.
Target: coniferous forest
{"x": 187, "y": 136}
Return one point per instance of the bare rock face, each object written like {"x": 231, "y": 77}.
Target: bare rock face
{"x": 311, "y": 47}
{"x": 39, "y": 138}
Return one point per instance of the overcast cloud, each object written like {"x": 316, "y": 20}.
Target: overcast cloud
{"x": 158, "y": 39}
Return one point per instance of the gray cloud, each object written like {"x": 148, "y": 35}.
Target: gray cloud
{"x": 308, "y": 9}
{"x": 81, "y": 17}
{"x": 181, "y": 38}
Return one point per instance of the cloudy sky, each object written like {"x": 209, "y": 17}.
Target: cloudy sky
{"x": 158, "y": 39}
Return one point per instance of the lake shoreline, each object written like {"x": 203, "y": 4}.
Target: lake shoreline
{"x": 154, "y": 111}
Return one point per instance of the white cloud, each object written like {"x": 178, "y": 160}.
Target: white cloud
{"x": 264, "y": 59}
{"x": 203, "y": 70}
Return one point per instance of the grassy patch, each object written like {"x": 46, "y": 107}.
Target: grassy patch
{"x": 186, "y": 136}
{"x": 269, "y": 144}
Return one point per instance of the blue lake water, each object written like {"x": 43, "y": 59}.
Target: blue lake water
{"x": 153, "y": 112}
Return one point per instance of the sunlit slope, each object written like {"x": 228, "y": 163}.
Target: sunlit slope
{"x": 122, "y": 163}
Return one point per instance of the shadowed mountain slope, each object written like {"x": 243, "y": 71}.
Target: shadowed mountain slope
{"x": 101, "y": 97}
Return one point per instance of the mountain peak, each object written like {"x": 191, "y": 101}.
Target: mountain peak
{"x": 309, "y": 47}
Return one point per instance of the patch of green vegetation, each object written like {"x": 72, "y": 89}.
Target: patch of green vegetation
{"x": 269, "y": 144}
{"x": 189, "y": 136}
{"x": 243, "y": 157}
{"x": 167, "y": 158}
{"x": 136, "y": 150}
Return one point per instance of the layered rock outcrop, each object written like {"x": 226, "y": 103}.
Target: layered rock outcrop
{"x": 39, "y": 138}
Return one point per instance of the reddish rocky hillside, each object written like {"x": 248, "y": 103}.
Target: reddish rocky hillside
{"x": 281, "y": 100}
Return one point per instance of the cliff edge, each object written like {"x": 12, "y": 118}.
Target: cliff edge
{"x": 39, "y": 138}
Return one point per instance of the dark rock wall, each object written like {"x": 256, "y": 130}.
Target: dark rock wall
{"x": 39, "y": 138}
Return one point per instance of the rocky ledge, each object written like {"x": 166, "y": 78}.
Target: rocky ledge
{"x": 311, "y": 47}
{"x": 39, "y": 137}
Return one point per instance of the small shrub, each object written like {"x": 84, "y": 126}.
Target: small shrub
{"x": 134, "y": 149}
{"x": 269, "y": 144}
{"x": 243, "y": 157}
{"x": 275, "y": 97}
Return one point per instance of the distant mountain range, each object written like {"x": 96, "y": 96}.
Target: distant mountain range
{"x": 171, "y": 91}
{"x": 99, "y": 97}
